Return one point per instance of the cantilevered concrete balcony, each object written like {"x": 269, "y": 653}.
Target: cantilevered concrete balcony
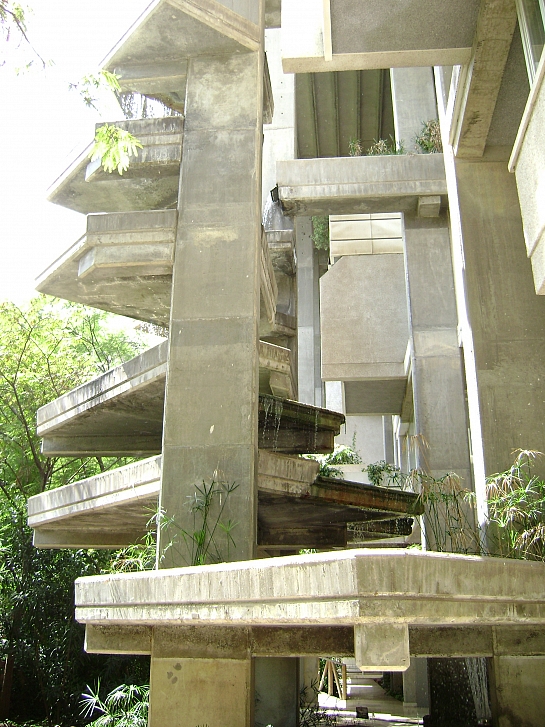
{"x": 151, "y": 182}
{"x": 336, "y": 36}
{"x": 345, "y": 185}
{"x": 296, "y": 508}
{"x": 381, "y": 606}
{"x": 122, "y": 410}
{"x": 123, "y": 264}
{"x": 365, "y": 330}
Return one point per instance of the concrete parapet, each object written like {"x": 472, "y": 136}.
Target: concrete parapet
{"x": 369, "y": 184}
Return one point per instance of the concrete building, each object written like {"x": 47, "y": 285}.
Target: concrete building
{"x": 425, "y": 330}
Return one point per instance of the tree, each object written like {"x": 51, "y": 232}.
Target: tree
{"x": 46, "y": 349}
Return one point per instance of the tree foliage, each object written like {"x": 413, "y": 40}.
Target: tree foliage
{"x": 46, "y": 349}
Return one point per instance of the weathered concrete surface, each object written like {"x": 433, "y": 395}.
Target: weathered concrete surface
{"x": 493, "y": 36}
{"x": 359, "y": 184}
{"x": 122, "y": 409}
{"x": 413, "y": 100}
{"x": 526, "y": 162}
{"x": 151, "y": 182}
{"x": 123, "y": 264}
{"x": 518, "y": 685}
{"x": 382, "y": 37}
{"x": 177, "y": 687}
{"x": 437, "y": 367}
{"x": 295, "y": 508}
{"x": 506, "y": 317}
{"x": 365, "y": 331}
{"x": 349, "y": 587}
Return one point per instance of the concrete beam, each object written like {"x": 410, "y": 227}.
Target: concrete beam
{"x": 493, "y": 36}
{"x": 382, "y": 646}
{"x": 359, "y": 184}
{"x": 261, "y": 641}
{"x": 380, "y": 37}
{"x": 339, "y": 588}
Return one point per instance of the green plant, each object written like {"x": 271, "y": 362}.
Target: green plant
{"x": 92, "y": 83}
{"x": 125, "y": 706}
{"x": 114, "y": 147}
{"x": 202, "y": 544}
{"x": 355, "y": 148}
{"x": 384, "y": 474}
{"x": 386, "y": 147}
{"x": 320, "y": 232}
{"x": 516, "y": 503}
{"x": 429, "y": 140}
{"x": 329, "y": 462}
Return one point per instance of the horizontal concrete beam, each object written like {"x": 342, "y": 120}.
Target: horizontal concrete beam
{"x": 339, "y": 588}
{"x": 443, "y": 641}
{"x": 381, "y": 37}
{"x": 369, "y": 184}
{"x": 197, "y": 640}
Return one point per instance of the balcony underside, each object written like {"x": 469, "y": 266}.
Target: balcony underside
{"x": 121, "y": 411}
{"x": 296, "y": 509}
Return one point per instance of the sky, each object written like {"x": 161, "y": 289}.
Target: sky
{"x": 44, "y": 126}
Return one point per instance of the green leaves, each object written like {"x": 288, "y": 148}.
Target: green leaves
{"x": 114, "y": 147}
{"x": 125, "y": 706}
{"x": 90, "y": 84}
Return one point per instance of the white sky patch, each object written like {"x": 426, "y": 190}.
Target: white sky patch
{"x": 43, "y": 125}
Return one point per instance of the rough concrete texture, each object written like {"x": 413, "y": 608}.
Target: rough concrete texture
{"x": 493, "y": 37}
{"x": 518, "y": 686}
{"x": 348, "y": 587}
{"x": 507, "y": 318}
{"x": 437, "y": 368}
{"x": 151, "y": 182}
{"x": 177, "y": 687}
{"x": 359, "y": 184}
{"x": 125, "y": 405}
{"x": 413, "y": 99}
{"x": 379, "y": 38}
{"x": 530, "y": 182}
{"x": 364, "y": 320}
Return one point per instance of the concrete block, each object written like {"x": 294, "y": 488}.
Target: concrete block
{"x": 382, "y": 646}
{"x": 429, "y": 206}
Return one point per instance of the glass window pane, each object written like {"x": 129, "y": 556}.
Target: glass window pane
{"x": 534, "y": 32}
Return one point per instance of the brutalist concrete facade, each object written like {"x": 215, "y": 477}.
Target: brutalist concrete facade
{"x": 433, "y": 333}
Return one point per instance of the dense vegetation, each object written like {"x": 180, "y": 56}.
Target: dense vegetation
{"x": 45, "y": 350}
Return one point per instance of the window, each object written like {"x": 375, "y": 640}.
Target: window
{"x": 531, "y": 14}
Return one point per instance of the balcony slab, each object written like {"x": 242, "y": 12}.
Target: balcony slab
{"x": 122, "y": 410}
{"x": 296, "y": 509}
{"x": 345, "y": 185}
{"x": 385, "y": 596}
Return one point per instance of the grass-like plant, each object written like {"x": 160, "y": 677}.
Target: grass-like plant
{"x": 114, "y": 147}
{"x": 429, "y": 140}
{"x": 125, "y": 706}
{"x": 516, "y": 505}
{"x": 329, "y": 463}
{"x": 320, "y": 232}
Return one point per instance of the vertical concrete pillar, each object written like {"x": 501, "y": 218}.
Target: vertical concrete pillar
{"x": 211, "y": 408}
{"x": 276, "y": 691}
{"x": 438, "y": 384}
{"x": 388, "y": 438}
{"x": 308, "y": 311}
{"x": 413, "y": 98}
{"x": 415, "y": 685}
{"x": 506, "y": 317}
{"x": 518, "y": 691}
{"x": 278, "y": 136}
{"x": 206, "y": 680}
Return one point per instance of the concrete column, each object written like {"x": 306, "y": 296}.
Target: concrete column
{"x": 196, "y": 683}
{"x": 413, "y": 98}
{"x": 279, "y": 136}
{"x": 518, "y": 689}
{"x": 438, "y": 384}
{"x": 388, "y": 438}
{"x": 415, "y": 685}
{"x": 276, "y": 691}
{"x": 211, "y": 408}
{"x": 506, "y": 317}
{"x": 308, "y": 310}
